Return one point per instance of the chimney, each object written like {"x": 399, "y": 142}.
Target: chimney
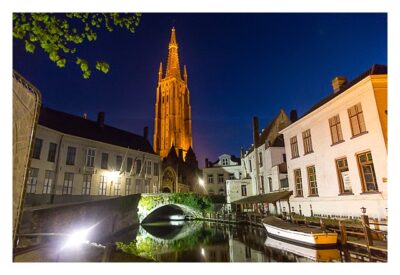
{"x": 255, "y": 131}
{"x": 85, "y": 115}
{"x": 293, "y": 115}
{"x": 241, "y": 152}
{"x": 206, "y": 163}
{"x": 100, "y": 119}
{"x": 337, "y": 83}
{"x": 146, "y": 132}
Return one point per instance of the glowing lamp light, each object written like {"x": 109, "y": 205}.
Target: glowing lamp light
{"x": 113, "y": 175}
{"x": 201, "y": 182}
{"x": 203, "y": 252}
{"x": 77, "y": 238}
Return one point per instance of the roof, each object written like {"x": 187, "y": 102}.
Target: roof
{"x": 85, "y": 128}
{"x": 376, "y": 69}
{"x": 265, "y": 198}
{"x": 233, "y": 158}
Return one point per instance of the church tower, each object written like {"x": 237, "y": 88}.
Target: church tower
{"x": 173, "y": 119}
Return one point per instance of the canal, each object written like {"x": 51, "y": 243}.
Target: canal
{"x": 204, "y": 241}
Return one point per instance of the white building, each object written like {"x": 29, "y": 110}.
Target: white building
{"x": 76, "y": 156}
{"x": 337, "y": 152}
{"x": 215, "y": 174}
{"x": 264, "y": 164}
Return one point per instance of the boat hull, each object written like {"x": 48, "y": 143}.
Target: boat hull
{"x": 307, "y": 239}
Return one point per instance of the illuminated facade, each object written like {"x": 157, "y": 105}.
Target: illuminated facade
{"x": 173, "y": 122}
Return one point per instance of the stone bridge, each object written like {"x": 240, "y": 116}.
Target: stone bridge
{"x": 110, "y": 215}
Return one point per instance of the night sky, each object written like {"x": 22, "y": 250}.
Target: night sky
{"x": 239, "y": 66}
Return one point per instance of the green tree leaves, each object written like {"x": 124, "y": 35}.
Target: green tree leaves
{"x": 58, "y": 34}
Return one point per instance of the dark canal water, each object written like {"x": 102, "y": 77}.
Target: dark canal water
{"x": 202, "y": 241}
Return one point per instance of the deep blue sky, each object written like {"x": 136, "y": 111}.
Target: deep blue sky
{"x": 239, "y": 65}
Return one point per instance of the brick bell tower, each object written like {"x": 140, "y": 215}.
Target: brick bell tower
{"x": 173, "y": 119}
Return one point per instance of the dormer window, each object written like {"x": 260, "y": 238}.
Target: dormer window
{"x": 225, "y": 162}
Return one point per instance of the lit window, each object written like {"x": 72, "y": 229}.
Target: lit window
{"x": 48, "y": 181}
{"x": 87, "y": 182}
{"x": 117, "y": 187}
{"x": 103, "y": 186}
{"x": 68, "y": 182}
{"x": 32, "y": 180}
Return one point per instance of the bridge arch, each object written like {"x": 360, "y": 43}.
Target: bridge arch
{"x": 190, "y": 204}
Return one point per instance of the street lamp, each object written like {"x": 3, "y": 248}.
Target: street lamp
{"x": 363, "y": 210}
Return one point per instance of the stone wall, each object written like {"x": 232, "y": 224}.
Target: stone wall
{"x": 26, "y": 103}
{"x": 109, "y": 217}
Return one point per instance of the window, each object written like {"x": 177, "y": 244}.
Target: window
{"x": 297, "y": 182}
{"x": 294, "y": 147}
{"x": 284, "y": 183}
{"x": 262, "y": 184}
{"x": 250, "y": 165}
{"x": 52, "y": 152}
{"x": 210, "y": 179}
{"x": 343, "y": 175}
{"x": 37, "y": 148}
{"x": 118, "y": 163}
{"x": 368, "y": 177}
{"x": 312, "y": 181}
{"x": 117, "y": 187}
{"x": 90, "y": 153}
{"x": 138, "y": 166}
{"x": 68, "y": 182}
{"x": 103, "y": 186}
{"x": 128, "y": 186}
{"x": 336, "y": 129}
{"x": 244, "y": 191}
{"x": 261, "y": 159}
{"x": 148, "y": 168}
{"x": 356, "y": 119}
{"x": 71, "y": 151}
{"x": 32, "y": 180}
{"x": 270, "y": 184}
{"x": 48, "y": 181}
{"x": 147, "y": 186}
{"x": 128, "y": 165}
{"x": 155, "y": 169}
{"x": 307, "y": 142}
{"x": 87, "y": 183}
{"x": 231, "y": 176}
{"x": 138, "y": 188}
{"x": 225, "y": 162}
{"x": 284, "y": 157}
{"x": 104, "y": 161}
{"x": 240, "y": 175}
{"x": 220, "y": 178}
{"x": 221, "y": 191}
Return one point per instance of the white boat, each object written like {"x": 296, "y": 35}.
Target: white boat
{"x": 304, "y": 235}
{"x": 319, "y": 255}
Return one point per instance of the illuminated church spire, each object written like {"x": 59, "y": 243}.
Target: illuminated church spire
{"x": 173, "y": 118}
{"x": 173, "y": 58}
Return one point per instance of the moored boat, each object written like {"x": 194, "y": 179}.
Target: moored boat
{"x": 303, "y": 235}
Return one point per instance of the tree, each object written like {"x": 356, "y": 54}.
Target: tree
{"x": 58, "y": 34}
